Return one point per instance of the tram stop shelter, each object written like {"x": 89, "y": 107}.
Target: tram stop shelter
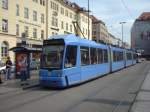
{"x": 23, "y": 52}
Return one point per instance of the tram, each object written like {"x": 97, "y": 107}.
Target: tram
{"x": 68, "y": 60}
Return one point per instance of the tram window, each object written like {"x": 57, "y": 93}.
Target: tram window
{"x": 70, "y": 57}
{"x": 93, "y": 55}
{"x": 105, "y": 56}
{"x": 114, "y": 56}
{"x": 100, "y": 56}
{"x": 52, "y": 56}
{"x": 117, "y": 56}
{"x": 121, "y": 56}
{"x": 84, "y": 55}
{"x": 129, "y": 57}
{"x": 134, "y": 56}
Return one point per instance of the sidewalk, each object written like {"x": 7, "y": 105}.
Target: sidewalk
{"x": 14, "y": 84}
{"x": 142, "y": 102}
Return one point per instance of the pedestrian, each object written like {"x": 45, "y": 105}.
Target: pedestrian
{"x": 1, "y": 79}
{"x": 8, "y": 68}
{"x": 23, "y": 70}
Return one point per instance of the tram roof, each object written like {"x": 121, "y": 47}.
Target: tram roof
{"x": 117, "y": 48}
{"x": 73, "y": 39}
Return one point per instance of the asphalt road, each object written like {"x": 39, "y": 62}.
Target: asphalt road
{"x": 112, "y": 93}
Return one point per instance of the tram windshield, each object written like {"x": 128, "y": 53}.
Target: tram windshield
{"x": 52, "y": 56}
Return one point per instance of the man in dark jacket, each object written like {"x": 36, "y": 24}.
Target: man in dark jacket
{"x": 8, "y": 68}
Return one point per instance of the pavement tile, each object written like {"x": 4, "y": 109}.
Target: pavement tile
{"x": 142, "y": 102}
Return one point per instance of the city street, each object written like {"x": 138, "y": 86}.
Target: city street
{"x": 114, "y": 92}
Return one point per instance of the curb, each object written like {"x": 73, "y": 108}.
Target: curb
{"x": 30, "y": 86}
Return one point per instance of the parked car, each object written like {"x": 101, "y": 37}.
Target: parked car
{"x": 3, "y": 69}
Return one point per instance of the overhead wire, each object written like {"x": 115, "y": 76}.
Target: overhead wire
{"x": 127, "y": 9}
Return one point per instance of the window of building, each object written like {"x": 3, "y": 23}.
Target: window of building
{"x": 100, "y": 56}
{"x": 34, "y": 33}
{"x": 42, "y": 18}
{"x": 26, "y": 30}
{"x": 66, "y": 13}
{"x": 34, "y": 16}
{"x": 54, "y": 21}
{"x": 57, "y": 8}
{"x": 54, "y": 6}
{"x": 26, "y": 13}
{"x": 70, "y": 28}
{"x": 83, "y": 30}
{"x": 5, "y": 4}
{"x": 62, "y": 11}
{"x": 35, "y": 1}
{"x": 93, "y": 55}
{"x": 43, "y": 2}
{"x": 4, "y": 25}
{"x": 4, "y": 49}
{"x": 42, "y": 34}
{"x": 75, "y": 17}
{"x": 17, "y": 10}
{"x": 85, "y": 60}
{"x": 70, "y": 15}
{"x": 94, "y": 32}
{"x": 17, "y": 29}
{"x": 67, "y": 26}
{"x": 62, "y": 25}
{"x": 70, "y": 57}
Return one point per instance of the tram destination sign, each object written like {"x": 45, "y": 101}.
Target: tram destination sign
{"x": 54, "y": 42}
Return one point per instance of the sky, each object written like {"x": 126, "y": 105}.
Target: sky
{"x": 112, "y": 12}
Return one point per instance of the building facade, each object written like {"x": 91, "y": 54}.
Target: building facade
{"x": 30, "y": 21}
{"x": 65, "y": 17}
{"x": 140, "y": 34}
{"x": 21, "y": 22}
{"x": 113, "y": 40}
{"x": 99, "y": 30}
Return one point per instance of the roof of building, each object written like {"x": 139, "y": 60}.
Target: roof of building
{"x": 144, "y": 16}
{"x": 95, "y": 20}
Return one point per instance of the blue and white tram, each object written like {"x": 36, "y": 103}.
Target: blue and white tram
{"x": 118, "y": 61}
{"x": 134, "y": 57}
{"x": 129, "y": 57}
{"x": 67, "y": 60}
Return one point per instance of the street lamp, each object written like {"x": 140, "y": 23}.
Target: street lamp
{"x": 122, "y": 31}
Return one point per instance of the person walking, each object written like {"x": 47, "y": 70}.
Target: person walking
{"x": 1, "y": 79}
{"x": 8, "y": 68}
{"x": 23, "y": 70}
